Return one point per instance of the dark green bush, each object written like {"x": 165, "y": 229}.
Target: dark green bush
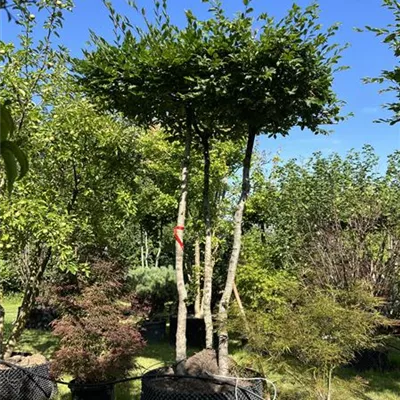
{"x": 156, "y": 286}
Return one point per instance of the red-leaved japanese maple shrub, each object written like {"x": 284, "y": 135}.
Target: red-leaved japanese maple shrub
{"x": 98, "y": 338}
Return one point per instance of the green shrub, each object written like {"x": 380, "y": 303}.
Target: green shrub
{"x": 154, "y": 285}
{"x": 311, "y": 329}
{"x": 262, "y": 288}
{"x": 9, "y": 278}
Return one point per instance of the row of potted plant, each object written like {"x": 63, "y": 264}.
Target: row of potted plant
{"x": 101, "y": 327}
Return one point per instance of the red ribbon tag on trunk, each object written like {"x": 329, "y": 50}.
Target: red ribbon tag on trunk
{"x": 176, "y": 235}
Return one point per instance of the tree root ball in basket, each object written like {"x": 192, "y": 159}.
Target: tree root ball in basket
{"x": 91, "y": 392}
{"x": 163, "y": 384}
{"x": 29, "y": 380}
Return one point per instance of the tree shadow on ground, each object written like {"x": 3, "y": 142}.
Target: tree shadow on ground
{"x": 34, "y": 341}
{"x": 385, "y": 383}
{"x": 37, "y": 341}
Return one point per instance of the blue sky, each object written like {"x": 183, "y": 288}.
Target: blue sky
{"x": 367, "y": 56}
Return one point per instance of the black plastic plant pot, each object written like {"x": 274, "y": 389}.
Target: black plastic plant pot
{"x": 92, "y": 391}
{"x": 41, "y": 318}
{"x": 154, "y": 331}
{"x": 153, "y": 388}
{"x": 195, "y": 332}
{"x": 26, "y": 383}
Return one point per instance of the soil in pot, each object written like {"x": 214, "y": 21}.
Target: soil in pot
{"x": 162, "y": 384}
{"x": 91, "y": 391}
{"x": 28, "y": 381}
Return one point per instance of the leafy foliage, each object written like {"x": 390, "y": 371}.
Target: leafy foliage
{"x": 391, "y": 78}
{"x": 12, "y": 155}
{"x": 331, "y": 220}
{"x": 222, "y": 70}
{"x": 97, "y": 341}
{"x": 261, "y": 288}
{"x": 157, "y": 286}
{"x": 318, "y": 330}
{"x": 9, "y": 278}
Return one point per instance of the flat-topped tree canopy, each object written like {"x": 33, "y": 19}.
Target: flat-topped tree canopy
{"x": 153, "y": 77}
{"x": 276, "y": 76}
{"x": 224, "y": 72}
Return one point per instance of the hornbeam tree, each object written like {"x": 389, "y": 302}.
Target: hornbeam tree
{"x": 218, "y": 78}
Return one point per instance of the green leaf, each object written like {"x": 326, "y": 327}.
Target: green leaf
{"x": 10, "y": 164}
{"x": 19, "y": 155}
{"x": 6, "y": 123}
{"x": 390, "y": 38}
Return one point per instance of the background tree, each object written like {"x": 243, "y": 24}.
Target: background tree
{"x": 320, "y": 241}
{"x": 391, "y": 78}
{"x": 75, "y": 195}
{"x": 20, "y": 102}
{"x": 331, "y": 220}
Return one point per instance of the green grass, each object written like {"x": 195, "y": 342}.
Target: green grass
{"x": 33, "y": 341}
{"x": 370, "y": 385}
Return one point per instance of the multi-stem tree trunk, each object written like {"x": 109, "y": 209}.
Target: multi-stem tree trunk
{"x": 198, "y": 312}
{"x": 157, "y": 261}
{"x": 141, "y": 246}
{"x": 223, "y": 360}
{"x": 2, "y": 317}
{"x": 180, "y": 279}
{"x": 28, "y": 301}
{"x": 146, "y": 247}
{"x": 208, "y": 264}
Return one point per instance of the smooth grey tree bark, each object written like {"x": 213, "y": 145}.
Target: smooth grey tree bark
{"x": 223, "y": 351}
{"x": 198, "y": 312}
{"x": 208, "y": 263}
{"x": 179, "y": 254}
